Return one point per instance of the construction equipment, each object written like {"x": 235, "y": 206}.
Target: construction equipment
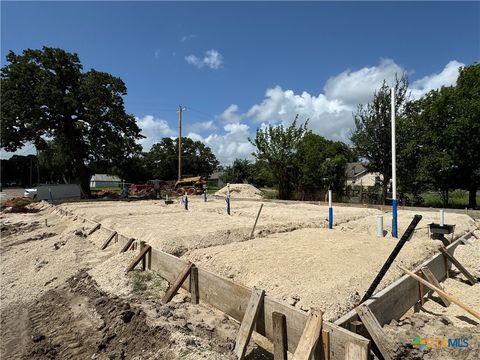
{"x": 190, "y": 186}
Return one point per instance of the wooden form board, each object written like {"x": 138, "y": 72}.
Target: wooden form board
{"x": 395, "y": 300}
{"x": 232, "y": 299}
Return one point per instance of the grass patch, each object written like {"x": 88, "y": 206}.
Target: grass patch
{"x": 269, "y": 194}
{"x": 147, "y": 284}
{"x": 456, "y": 199}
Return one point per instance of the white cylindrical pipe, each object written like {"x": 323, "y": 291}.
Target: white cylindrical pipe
{"x": 380, "y": 226}
{"x": 394, "y": 152}
{"x": 329, "y": 198}
{"x": 442, "y": 217}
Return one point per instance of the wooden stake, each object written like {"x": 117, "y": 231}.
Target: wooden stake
{"x": 451, "y": 298}
{"x": 326, "y": 344}
{"x": 194, "y": 294}
{"x": 110, "y": 238}
{"x": 248, "y": 322}
{"x": 459, "y": 266}
{"x": 139, "y": 257}
{"x": 421, "y": 290}
{"x": 176, "y": 285}
{"x": 127, "y": 245}
{"x": 375, "y": 331}
{"x": 310, "y": 335}
{"x": 430, "y": 277}
{"x": 279, "y": 336}
{"x": 144, "y": 258}
{"x": 92, "y": 230}
{"x": 254, "y": 225}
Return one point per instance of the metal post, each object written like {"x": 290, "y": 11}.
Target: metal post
{"x": 186, "y": 202}
{"x": 442, "y": 217}
{"x": 380, "y": 226}
{"x": 394, "y": 170}
{"x": 330, "y": 210}
{"x": 180, "y": 111}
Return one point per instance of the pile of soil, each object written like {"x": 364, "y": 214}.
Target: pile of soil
{"x": 241, "y": 191}
{"x": 19, "y": 205}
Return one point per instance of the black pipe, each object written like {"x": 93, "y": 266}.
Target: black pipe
{"x": 405, "y": 237}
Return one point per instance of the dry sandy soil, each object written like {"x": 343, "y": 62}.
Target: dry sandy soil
{"x": 175, "y": 230}
{"x": 434, "y": 320}
{"x": 63, "y": 298}
{"x": 330, "y": 269}
{"x": 293, "y": 256}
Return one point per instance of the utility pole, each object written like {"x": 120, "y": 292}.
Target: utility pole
{"x": 181, "y": 109}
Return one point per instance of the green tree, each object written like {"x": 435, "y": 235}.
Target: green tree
{"x": 240, "y": 171}
{"x": 197, "y": 159}
{"x": 466, "y": 134}
{"x": 322, "y": 164}
{"x": 278, "y": 147}
{"x": 45, "y": 95}
{"x": 432, "y": 139}
{"x": 372, "y": 134}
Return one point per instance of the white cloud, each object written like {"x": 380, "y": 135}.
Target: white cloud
{"x": 327, "y": 117}
{"x": 211, "y": 59}
{"x": 230, "y": 146}
{"x": 447, "y": 77}
{"x": 357, "y": 87}
{"x": 154, "y": 130}
{"x": 202, "y": 126}
{"x": 187, "y": 37}
{"x": 231, "y": 115}
{"x": 330, "y": 113}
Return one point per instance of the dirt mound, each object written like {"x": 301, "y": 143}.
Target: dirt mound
{"x": 241, "y": 191}
{"x": 19, "y": 205}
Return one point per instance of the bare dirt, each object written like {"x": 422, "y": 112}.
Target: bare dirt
{"x": 240, "y": 191}
{"x": 434, "y": 322}
{"x": 177, "y": 231}
{"x": 329, "y": 269}
{"x": 63, "y": 298}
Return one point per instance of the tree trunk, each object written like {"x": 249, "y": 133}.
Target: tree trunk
{"x": 472, "y": 196}
{"x": 73, "y": 137}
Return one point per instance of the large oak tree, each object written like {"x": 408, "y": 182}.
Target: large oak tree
{"x": 46, "y": 95}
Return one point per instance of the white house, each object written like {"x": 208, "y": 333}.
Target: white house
{"x": 102, "y": 180}
{"x": 358, "y": 175}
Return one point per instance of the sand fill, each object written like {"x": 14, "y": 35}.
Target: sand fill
{"x": 329, "y": 269}
{"x": 241, "y": 191}
{"x": 175, "y": 230}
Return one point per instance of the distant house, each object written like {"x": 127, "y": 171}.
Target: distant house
{"x": 215, "y": 180}
{"x": 102, "y": 180}
{"x": 358, "y": 175}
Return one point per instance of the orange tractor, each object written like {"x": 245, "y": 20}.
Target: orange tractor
{"x": 190, "y": 186}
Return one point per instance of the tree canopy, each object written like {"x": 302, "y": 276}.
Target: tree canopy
{"x": 197, "y": 158}
{"x": 278, "y": 147}
{"x": 372, "y": 134}
{"x": 46, "y": 96}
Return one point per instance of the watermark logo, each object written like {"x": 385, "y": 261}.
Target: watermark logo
{"x": 439, "y": 343}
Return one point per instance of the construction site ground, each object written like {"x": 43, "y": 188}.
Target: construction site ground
{"x": 63, "y": 296}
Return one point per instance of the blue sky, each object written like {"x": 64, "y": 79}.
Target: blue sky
{"x": 238, "y": 66}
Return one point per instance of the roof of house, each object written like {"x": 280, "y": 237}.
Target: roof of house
{"x": 354, "y": 169}
{"x": 105, "y": 177}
